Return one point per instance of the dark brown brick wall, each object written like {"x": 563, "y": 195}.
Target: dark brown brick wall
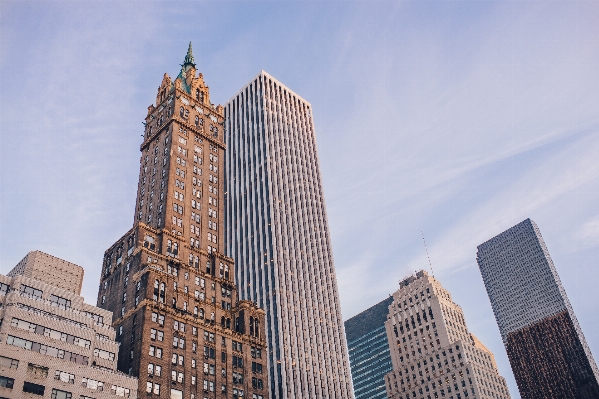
{"x": 182, "y": 165}
{"x": 549, "y": 362}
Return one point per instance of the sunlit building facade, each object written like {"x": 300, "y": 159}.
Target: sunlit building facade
{"x": 278, "y": 235}
{"x": 433, "y": 353}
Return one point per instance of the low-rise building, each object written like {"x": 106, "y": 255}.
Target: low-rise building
{"x": 52, "y": 343}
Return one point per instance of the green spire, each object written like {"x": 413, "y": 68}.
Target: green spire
{"x": 189, "y": 58}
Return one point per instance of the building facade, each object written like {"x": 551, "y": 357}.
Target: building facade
{"x": 433, "y": 353}
{"x": 277, "y": 232}
{"x": 368, "y": 348}
{"x": 546, "y": 347}
{"x": 182, "y": 328}
{"x": 52, "y": 344}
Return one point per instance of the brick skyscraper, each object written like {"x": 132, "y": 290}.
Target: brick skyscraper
{"x": 547, "y": 350}
{"x": 433, "y": 353}
{"x": 278, "y": 234}
{"x": 182, "y": 329}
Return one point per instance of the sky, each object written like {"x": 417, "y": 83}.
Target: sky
{"x": 452, "y": 120}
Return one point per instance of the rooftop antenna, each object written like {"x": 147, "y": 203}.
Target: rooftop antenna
{"x": 427, "y": 255}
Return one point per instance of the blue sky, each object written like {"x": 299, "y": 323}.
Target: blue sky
{"x": 457, "y": 119}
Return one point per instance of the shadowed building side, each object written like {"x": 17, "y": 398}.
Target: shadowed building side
{"x": 545, "y": 345}
{"x": 368, "y": 350}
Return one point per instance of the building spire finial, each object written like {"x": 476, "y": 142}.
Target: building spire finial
{"x": 189, "y": 58}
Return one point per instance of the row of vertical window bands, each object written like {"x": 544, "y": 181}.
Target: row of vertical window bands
{"x": 34, "y": 293}
{"x": 69, "y": 378}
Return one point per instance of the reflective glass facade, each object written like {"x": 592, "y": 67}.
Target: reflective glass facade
{"x": 368, "y": 347}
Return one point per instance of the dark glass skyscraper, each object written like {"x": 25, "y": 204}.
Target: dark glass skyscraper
{"x": 547, "y": 350}
{"x": 368, "y": 349}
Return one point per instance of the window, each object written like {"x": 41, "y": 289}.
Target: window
{"x": 63, "y": 376}
{"x": 62, "y": 303}
{"x": 31, "y": 292}
{"x": 58, "y": 394}
{"x": 256, "y": 368}
{"x": 4, "y": 289}
{"x": 155, "y": 351}
{"x": 120, "y": 391}
{"x": 237, "y": 361}
{"x": 92, "y": 384}
{"x": 103, "y": 354}
{"x": 9, "y": 362}
{"x": 6, "y": 382}
{"x": 37, "y": 370}
{"x": 256, "y": 353}
{"x": 153, "y": 388}
{"x": 33, "y": 388}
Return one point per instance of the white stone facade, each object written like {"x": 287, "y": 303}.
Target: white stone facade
{"x": 53, "y": 345}
{"x": 433, "y": 353}
{"x": 277, "y": 232}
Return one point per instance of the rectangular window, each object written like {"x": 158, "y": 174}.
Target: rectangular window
{"x": 64, "y": 376}
{"x": 103, "y": 354}
{"x": 62, "y": 303}
{"x": 6, "y": 382}
{"x": 33, "y": 388}
{"x": 58, "y": 394}
{"x": 9, "y": 362}
{"x": 31, "y": 292}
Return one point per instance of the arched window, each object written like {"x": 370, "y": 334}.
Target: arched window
{"x": 197, "y": 120}
{"x": 222, "y": 321}
{"x": 227, "y": 272}
{"x": 228, "y": 325}
{"x": 222, "y": 270}
{"x": 195, "y": 311}
{"x": 208, "y": 267}
{"x": 181, "y": 112}
{"x": 201, "y": 313}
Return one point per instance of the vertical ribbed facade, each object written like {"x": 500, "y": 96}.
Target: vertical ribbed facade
{"x": 546, "y": 347}
{"x": 277, "y": 232}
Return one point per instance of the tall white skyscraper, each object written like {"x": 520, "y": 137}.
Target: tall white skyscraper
{"x": 277, "y": 232}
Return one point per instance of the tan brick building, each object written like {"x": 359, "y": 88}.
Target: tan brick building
{"x": 434, "y": 355}
{"x": 183, "y": 331}
{"x": 52, "y": 344}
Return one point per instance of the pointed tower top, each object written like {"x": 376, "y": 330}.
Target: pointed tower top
{"x": 189, "y": 58}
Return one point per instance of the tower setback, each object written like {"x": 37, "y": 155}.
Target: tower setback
{"x": 182, "y": 328}
{"x": 277, "y": 232}
{"x": 545, "y": 345}
{"x": 433, "y": 353}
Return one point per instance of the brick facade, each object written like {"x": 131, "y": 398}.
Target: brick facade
{"x": 51, "y": 340}
{"x": 167, "y": 281}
